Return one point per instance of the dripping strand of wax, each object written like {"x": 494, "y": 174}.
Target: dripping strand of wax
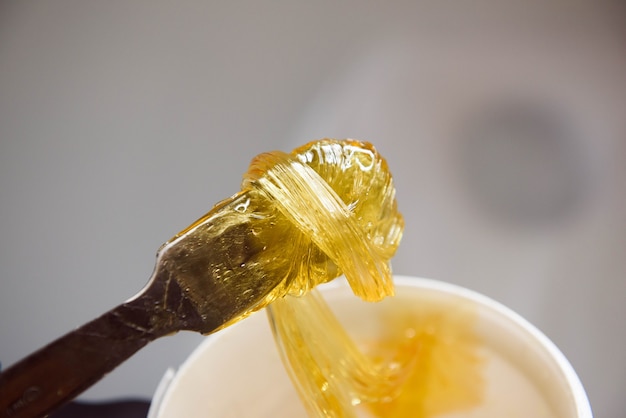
{"x": 359, "y": 230}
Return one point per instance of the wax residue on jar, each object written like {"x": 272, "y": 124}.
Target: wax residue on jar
{"x": 329, "y": 371}
{"x": 446, "y": 374}
{"x": 424, "y": 362}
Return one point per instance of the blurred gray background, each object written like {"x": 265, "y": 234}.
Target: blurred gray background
{"x": 504, "y": 123}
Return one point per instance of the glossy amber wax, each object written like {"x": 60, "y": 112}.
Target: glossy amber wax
{"x": 278, "y": 235}
{"x": 410, "y": 358}
{"x": 425, "y": 363}
{"x": 446, "y": 375}
{"x": 302, "y": 219}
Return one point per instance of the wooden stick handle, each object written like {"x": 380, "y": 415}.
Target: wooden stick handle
{"x": 63, "y": 369}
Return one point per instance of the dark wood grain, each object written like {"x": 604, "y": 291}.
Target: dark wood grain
{"x": 60, "y": 371}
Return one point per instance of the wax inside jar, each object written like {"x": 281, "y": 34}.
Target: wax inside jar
{"x": 409, "y": 360}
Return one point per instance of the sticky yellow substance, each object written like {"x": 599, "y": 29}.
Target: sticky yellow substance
{"x": 426, "y": 363}
{"x": 277, "y": 236}
{"x": 446, "y": 374}
{"x": 302, "y": 219}
{"x": 340, "y": 196}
